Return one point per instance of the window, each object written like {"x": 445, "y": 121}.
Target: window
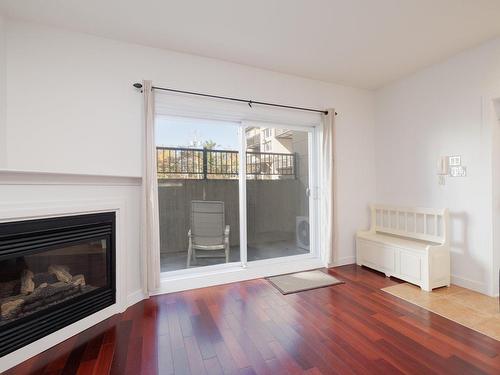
{"x": 267, "y": 146}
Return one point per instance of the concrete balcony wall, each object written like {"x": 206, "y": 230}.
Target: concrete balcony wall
{"x": 272, "y": 208}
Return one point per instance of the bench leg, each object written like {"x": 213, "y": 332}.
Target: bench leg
{"x": 426, "y": 286}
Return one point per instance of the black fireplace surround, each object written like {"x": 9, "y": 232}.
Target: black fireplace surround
{"x": 53, "y": 272}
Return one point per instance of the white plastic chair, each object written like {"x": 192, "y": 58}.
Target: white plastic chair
{"x": 208, "y": 231}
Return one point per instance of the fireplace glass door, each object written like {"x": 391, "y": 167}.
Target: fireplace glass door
{"x": 34, "y": 282}
{"x": 53, "y": 272}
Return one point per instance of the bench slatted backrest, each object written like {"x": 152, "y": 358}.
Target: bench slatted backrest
{"x": 427, "y": 224}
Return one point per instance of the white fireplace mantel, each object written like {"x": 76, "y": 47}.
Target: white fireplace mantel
{"x": 27, "y": 177}
{"x": 16, "y": 211}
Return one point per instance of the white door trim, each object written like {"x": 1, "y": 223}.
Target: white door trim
{"x": 242, "y": 196}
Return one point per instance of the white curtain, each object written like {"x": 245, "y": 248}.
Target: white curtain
{"x": 328, "y": 186}
{"x": 150, "y": 249}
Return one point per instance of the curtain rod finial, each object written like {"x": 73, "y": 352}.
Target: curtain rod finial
{"x": 137, "y": 85}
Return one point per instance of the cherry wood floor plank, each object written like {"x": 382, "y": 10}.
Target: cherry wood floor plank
{"x": 464, "y": 366}
{"x": 134, "y": 356}
{"x": 251, "y": 328}
{"x": 92, "y": 349}
{"x": 213, "y": 367}
{"x": 149, "y": 354}
{"x": 205, "y": 331}
{"x": 165, "y": 364}
{"x": 196, "y": 364}
{"x": 118, "y": 366}
{"x": 104, "y": 359}
{"x": 403, "y": 361}
{"x": 235, "y": 349}
{"x": 296, "y": 352}
{"x": 57, "y": 364}
{"x": 286, "y": 361}
{"x": 86, "y": 368}
{"x": 74, "y": 359}
{"x": 252, "y": 353}
{"x": 246, "y": 371}
{"x": 327, "y": 352}
{"x": 462, "y": 350}
{"x": 181, "y": 361}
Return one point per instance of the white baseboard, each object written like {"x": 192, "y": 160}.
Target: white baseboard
{"x": 457, "y": 280}
{"x": 470, "y": 284}
{"x": 135, "y": 297}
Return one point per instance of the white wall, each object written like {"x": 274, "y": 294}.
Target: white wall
{"x": 71, "y": 108}
{"x": 492, "y": 115}
{"x": 442, "y": 111}
{"x": 3, "y": 134}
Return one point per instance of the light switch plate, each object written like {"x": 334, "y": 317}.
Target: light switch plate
{"x": 454, "y": 160}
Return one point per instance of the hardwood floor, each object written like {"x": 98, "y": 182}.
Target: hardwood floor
{"x": 250, "y": 328}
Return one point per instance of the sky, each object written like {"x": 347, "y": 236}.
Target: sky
{"x": 183, "y": 132}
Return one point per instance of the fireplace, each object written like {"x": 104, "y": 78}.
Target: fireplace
{"x": 53, "y": 272}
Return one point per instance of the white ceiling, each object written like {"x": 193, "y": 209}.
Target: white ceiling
{"x": 361, "y": 43}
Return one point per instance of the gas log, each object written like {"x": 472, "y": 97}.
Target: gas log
{"x": 36, "y": 291}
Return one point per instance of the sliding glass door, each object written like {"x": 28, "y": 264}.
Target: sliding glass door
{"x": 277, "y": 192}
{"x": 233, "y": 193}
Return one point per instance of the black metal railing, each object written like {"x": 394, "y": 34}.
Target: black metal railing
{"x": 197, "y": 163}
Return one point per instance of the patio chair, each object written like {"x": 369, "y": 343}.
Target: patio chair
{"x": 208, "y": 232}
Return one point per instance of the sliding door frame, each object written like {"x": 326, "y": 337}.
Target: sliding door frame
{"x": 242, "y": 184}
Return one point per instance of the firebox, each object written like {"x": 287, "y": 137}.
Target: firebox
{"x": 53, "y": 272}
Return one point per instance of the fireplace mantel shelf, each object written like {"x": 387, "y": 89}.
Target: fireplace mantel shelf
{"x": 27, "y": 177}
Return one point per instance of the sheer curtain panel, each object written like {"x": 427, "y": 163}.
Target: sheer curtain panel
{"x": 328, "y": 185}
{"x": 150, "y": 248}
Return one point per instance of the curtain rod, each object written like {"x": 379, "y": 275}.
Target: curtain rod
{"x": 249, "y": 102}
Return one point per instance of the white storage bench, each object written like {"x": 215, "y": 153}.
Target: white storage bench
{"x": 411, "y": 244}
